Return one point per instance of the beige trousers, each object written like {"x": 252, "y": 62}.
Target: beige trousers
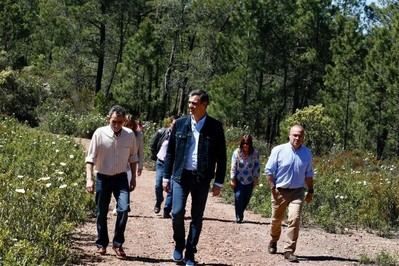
{"x": 293, "y": 199}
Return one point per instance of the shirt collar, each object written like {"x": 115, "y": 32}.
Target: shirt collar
{"x": 293, "y": 148}
{"x": 111, "y": 133}
{"x": 198, "y": 125}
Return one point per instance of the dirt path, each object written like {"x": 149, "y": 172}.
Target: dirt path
{"x": 223, "y": 242}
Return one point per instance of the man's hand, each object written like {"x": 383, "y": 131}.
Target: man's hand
{"x": 233, "y": 183}
{"x": 132, "y": 184}
{"x": 139, "y": 172}
{"x": 275, "y": 194}
{"x": 308, "y": 197}
{"x": 216, "y": 190}
{"x": 90, "y": 185}
{"x": 166, "y": 186}
{"x": 89, "y": 178}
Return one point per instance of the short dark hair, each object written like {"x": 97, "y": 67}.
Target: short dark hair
{"x": 118, "y": 110}
{"x": 204, "y": 97}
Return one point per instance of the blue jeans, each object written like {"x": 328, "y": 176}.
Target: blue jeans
{"x": 105, "y": 187}
{"x": 168, "y": 201}
{"x": 199, "y": 193}
{"x": 242, "y": 195}
{"x": 159, "y": 168}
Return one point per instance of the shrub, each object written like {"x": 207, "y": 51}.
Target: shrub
{"x": 382, "y": 258}
{"x": 41, "y": 195}
{"x": 20, "y": 95}
{"x": 354, "y": 190}
{"x": 66, "y": 123}
{"x": 60, "y": 123}
{"x": 87, "y": 124}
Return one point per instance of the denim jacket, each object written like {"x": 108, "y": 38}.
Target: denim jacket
{"x": 211, "y": 150}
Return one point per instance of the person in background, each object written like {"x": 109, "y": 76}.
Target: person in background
{"x": 140, "y": 125}
{"x": 132, "y": 124}
{"x": 196, "y": 154}
{"x": 138, "y": 132}
{"x": 289, "y": 170}
{"x": 111, "y": 149}
{"x": 159, "y": 145}
{"x": 244, "y": 175}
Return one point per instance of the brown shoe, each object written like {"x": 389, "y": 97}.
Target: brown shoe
{"x": 288, "y": 255}
{"x": 101, "y": 250}
{"x": 120, "y": 253}
{"x": 272, "y": 247}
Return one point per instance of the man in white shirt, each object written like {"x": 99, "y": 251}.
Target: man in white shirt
{"x": 111, "y": 149}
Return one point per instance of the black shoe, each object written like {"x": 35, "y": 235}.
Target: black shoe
{"x": 189, "y": 262}
{"x": 157, "y": 209}
{"x": 288, "y": 255}
{"x": 272, "y": 247}
{"x": 166, "y": 215}
{"x": 189, "y": 259}
{"x": 239, "y": 220}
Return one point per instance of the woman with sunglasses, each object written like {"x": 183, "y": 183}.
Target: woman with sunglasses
{"x": 244, "y": 174}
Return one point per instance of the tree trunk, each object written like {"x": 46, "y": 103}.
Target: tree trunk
{"x": 122, "y": 32}
{"x": 347, "y": 114}
{"x": 150, "y": 70}
{"x": 184, "y": 91}
{"x": 258, "y": 124}
{"x": 168, "y": 75}
{"x": 101, "y": 52}
{"x": 381, "y": 141}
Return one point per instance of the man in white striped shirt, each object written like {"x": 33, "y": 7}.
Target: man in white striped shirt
{"x": 112, "y": 149}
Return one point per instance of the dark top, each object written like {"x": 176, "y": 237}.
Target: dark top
{"x": 211, "y": 150}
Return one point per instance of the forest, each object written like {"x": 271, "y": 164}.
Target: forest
{"x": 331, "y": 65}
{"x": 260, "y": 60}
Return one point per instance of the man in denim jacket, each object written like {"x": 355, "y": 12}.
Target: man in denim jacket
{"x": 196, "y": 154}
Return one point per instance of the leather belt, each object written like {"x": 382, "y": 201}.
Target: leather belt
{"x": 288, "y": 189}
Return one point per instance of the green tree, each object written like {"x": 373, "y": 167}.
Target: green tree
{"x": 16, "y": 20}
{"x": 343, "y": 76}
{"x": 20, "y": 95}
{"x": 139, "y": 72}
{"x": 379, "y": 95}
{"x": 319, "y": 127}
